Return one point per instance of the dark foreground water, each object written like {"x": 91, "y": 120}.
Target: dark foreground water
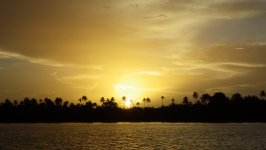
{"x": 133, "y": 136}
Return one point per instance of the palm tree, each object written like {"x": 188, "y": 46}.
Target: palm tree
{"x": 65, "y": 104}
{"x": 48, "y": 102}
{"x": 148, "y": 100}
{"x": 195, "y": 96}
{"x": 112, "y": 99}
{"x": 94, "y": 105}
{"x": 205, "y": 98}
{"x": 58, "y": 101}
{"x": 124, "y": 100}
{"x": 80, "y": 100}
{"x": 262, "y": 94}
{"x": 72, "y": 105}
{"x": 102, "y": 100}
{"x": 173, "y": 101}
{"x": 89, "y": 105}
{"x": 162, "y": 100}
{"x": 26, "y": 101}
{"x": 186, "y": 101}
{"x": 131, "y": 102}
{"x": 84, "y": 98}
{"x": 236, "y": 98}
{"x": 137, "y": 104}
{"x": 15, "y": 102}
{"x": 34, "y": 102}
{"x": 219, "y": 98}
{"x": 40, "y": 101}
{"x": 144, "y": 101}
{"x": 7, "y": 103}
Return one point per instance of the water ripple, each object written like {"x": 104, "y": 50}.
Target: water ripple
{"x": 133, "y": 136}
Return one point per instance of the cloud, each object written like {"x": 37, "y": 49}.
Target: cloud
{"x": 135, "y": 88}
{"x": 240, "y": 6}
{"x": 225, "y": 52}
{"x": 187, "y": 44}
{"x": 247, "y": 65}
{"x": 78, "y": 80}
{"x": 214, "y": 70}
{"x": 226, "y": 69}
{"x": 81, "y": 77}
{"x": 145, "y": 73}
{"x": 208, "y": 9}
{"x": 40, "y": 61}
{"x": 70, "y": 31}
{"x": 231, "y": 89}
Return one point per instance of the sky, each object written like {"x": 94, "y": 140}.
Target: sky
{"x": 132, "y": 48}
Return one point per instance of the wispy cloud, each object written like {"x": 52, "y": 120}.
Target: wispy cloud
{"x": 82, "y": 77}
{"x": 137, "y": 88}
{"x": 145, "y": 73}
{"x": 185, "y": 44}
{"x": 230, "y": 89}
{"x": 39, "y": 61}
{"x": 89, "y": 87}
{"x": 219, "y": 70}
{"x": 239, "y": 64}
{"x": 45, "y": 62}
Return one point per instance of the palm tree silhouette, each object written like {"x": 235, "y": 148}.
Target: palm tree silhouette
{"x": 144, "y": 101}
{"x": 195, "y": 96}
{"x": 173, "y": 101}
{"x": 162, "y": 100}
{"x": 218, "y": 107}
{"x": 205, "y": 98}
{"x": 15, "y": 102}
{"x": 219, "y": 98}
{"x": 80, "y": 100}
{"x": 112, "y": 99}
{"x": 89, "y": 105}
{"x": 124, "y": 100}
{"x": 7, "y": 103}
{"x": 40, "y": 101}
{"x": 65, "y": 104}
{"x": 236, "y": 98}
{"x": 148, "y": 100}
{"x": 137, "y": 104}
{"x": 48, "y": 102}
{"x": 186, "y": 101}
{"x": 262, "y": 94}
{"x": 84, "y": 98}
{"x": 58, "y": 101}
{"x": 102, "y": 100}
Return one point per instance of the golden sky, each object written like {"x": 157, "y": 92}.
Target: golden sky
{"x": 136, "y": 48}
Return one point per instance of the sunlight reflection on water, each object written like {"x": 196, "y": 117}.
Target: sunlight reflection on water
{"x": 133, "y": 136}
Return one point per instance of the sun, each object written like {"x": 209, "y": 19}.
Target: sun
{"x": 128, "y": 103}
{"x": 130, "y": 91}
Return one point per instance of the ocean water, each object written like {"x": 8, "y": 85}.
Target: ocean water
{"x": 133, "y": 136}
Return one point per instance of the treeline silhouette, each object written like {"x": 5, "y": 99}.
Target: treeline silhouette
{"x": 204, "y": 108}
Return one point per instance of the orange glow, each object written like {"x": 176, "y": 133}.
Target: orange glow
{"x": 128, "y": 103}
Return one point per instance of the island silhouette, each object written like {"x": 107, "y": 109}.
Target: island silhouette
{"x": 204, "y": 108}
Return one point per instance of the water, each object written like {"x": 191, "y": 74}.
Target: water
{"x": 133, "y": 136}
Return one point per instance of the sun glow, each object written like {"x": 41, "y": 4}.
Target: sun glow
{"x": 128, "y": 103}
{"x": 130, "y": 91}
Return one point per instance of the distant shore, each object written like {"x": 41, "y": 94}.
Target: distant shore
{"x": 217, "y": 108}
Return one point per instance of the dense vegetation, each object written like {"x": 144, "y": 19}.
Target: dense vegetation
{"x": 206, "y": 108}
